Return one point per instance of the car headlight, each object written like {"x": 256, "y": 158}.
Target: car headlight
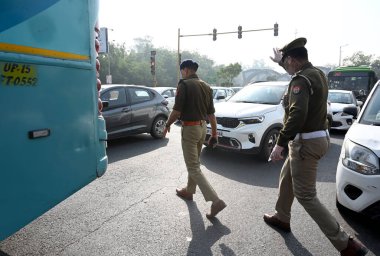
{"x": 251, "y": 120}
{"x": 359, "y": 159}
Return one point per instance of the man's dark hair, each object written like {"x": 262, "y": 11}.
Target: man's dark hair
{"x": 298, "y": 53}
{"x": 190, "y": 64}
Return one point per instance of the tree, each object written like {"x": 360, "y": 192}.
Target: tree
{"x": 358, "y": 59}
{"x": 226, "y": 74}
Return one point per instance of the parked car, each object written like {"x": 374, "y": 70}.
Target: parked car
{"x": 168, "y": 93}
{"x": 133, "y": 109}
{"x": 236, "y": 88}
{"x": 221, "y": 94}
{"x": 250, "y": 121}
{"x": 358, "y": 170}
{"x": 341, "y": 99}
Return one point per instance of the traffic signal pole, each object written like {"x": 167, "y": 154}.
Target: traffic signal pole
{"x": 214, "y": 36}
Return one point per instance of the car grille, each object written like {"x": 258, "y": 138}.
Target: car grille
{"x": 228, "y": 122}
{"x": 336, "y": 124}
{"x": 227, "y": 143}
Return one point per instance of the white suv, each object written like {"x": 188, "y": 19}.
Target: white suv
{"x": 358, "y": 170}
{"x": 251, "y": 119}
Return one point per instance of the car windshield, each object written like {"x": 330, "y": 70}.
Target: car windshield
{"x": 371, "y": 114}
{"x": 263, "y": 94}
{"x": 340, "y": 97}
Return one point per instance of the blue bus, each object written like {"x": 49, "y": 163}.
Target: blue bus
{"x": 53, "y": 137}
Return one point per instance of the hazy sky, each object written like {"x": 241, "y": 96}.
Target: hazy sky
{"x": 329, "y": 26}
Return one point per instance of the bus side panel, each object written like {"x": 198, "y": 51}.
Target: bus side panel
{"x": 52, "y": 139}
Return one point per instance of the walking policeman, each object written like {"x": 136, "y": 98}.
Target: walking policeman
{"x": 305, "y": 135}
{"x": 193, "y": 105}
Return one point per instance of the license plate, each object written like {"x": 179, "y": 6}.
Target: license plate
{"x": 218, "y": 133}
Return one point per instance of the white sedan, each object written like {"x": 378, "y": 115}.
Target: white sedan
{"x": 339, "y": 100}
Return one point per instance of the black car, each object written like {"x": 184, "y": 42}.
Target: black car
{"x": 133, "y": 109}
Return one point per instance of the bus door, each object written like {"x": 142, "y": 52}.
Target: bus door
{"x": 53, "y": 138}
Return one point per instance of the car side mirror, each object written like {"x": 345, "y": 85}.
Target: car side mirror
{"x": 105, "y": 104}
{"x": 166, "y": 96}
{"x": 353, "y": 111}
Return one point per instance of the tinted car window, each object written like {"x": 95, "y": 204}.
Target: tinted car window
{"x": 168, "y": 93}
{"x": 139, "y": 95}
{"x": 115, "y": 97}
{"x": 371, "y": 114}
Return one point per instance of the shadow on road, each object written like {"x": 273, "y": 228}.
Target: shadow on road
{"x": 241, "y": 167}
{"x": 133, "y": 145}
{"x": 294, "y": 246}
{"x": 365, "y": 228}
{"x": 204, "y": 238}
{"x": 3, "y": 253}
{"x": 251, "y": 170}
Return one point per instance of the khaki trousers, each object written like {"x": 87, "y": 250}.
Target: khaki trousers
{"x": 298, "y": 179}
{"x": 192, "y": 141}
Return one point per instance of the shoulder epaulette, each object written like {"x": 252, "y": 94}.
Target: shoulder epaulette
{"x": 298, "y": 74}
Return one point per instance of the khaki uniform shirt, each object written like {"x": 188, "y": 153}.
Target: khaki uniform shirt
{"x": 306, "y": 110}
{"x": 194, "y": 99}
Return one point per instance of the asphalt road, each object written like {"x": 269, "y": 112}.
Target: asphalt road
{"x": 133, "y": 209}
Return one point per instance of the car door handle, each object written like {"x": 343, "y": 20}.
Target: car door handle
{"x": 127, "y": 109}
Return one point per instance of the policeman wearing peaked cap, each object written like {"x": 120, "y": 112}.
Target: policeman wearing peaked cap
{"x": 306, "y": 137}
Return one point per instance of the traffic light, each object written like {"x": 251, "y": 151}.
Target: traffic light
{"x": 275, "y": 29}
{"x": 214, "y": 34}
{"x": 152, "y": 64}
{"x": 239, "y": 32}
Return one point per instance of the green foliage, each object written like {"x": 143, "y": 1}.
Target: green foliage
{"x": 226, "y": 74}
{"x": 132, "y": 66}
{"x": 359, "y": 58}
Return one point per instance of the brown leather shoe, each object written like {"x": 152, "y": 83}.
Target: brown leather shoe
{"x": 184, "y": 194}
{"x": 274, "y": 221}
{"x": 354, "y": 248}
{"x": 216, "y": 207}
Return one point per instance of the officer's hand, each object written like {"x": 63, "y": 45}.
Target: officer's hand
{"x": 166, "y": 130}
{"x": 277, "y": 153}
{"x": 277, "y": 55}
{"x": 212, "y": 141}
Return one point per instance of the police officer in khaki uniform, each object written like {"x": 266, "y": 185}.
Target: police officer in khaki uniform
{"x": 193, "y": 105}
{"x": 306, "y": 137}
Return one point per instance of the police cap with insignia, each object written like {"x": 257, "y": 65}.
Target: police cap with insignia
{"x": 189, "y": 64}
{"x": 294, "y": 48}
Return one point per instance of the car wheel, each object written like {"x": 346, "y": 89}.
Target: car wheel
{"x": 268, "y": 144}
{"x": 158, "y": 126}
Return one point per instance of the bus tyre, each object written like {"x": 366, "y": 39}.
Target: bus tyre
{"x": 268, "y": 144}
{"x": 158, "y": 127}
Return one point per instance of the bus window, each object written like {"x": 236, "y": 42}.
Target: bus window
{"x": 360, "y": 80}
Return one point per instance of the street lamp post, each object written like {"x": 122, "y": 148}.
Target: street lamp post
{"x": 340, "y": 53}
